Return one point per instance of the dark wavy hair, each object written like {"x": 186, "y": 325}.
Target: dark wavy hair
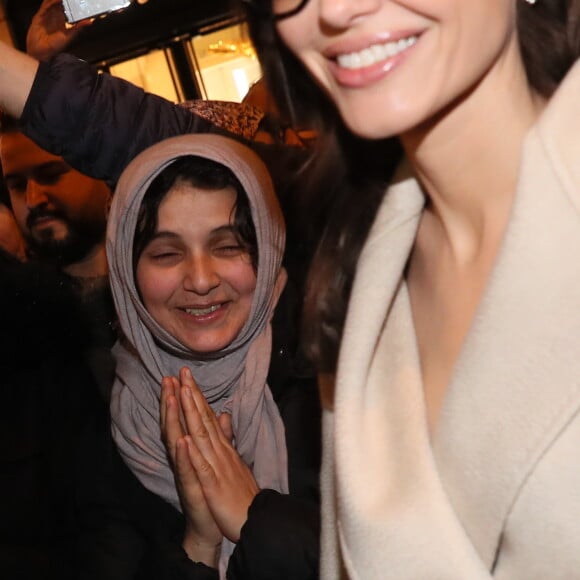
{"x": 347, "y": 176}
{"x": 203, "y": 174}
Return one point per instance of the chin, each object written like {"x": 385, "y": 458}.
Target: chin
{"x": 393, "y": 121}
{"x": 207, "y": 346}
{"x": 374, "y": 130}
{"x": 379, "y": 120}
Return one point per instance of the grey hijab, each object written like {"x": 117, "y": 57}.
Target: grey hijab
{"x": 233, "y": 379}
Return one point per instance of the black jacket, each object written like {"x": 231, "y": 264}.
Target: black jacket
{"x": 48, "y": 397}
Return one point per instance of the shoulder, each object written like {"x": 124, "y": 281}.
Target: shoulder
{"x": 558, "y": 129}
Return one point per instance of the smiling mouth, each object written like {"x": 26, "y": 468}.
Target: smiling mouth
{"x": 375, "y": 53}
{"x": 203, "y": 311}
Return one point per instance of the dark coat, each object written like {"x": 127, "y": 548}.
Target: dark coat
{"x": 48, "y": 397}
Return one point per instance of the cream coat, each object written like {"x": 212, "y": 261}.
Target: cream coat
{"x": 496, "y": 492}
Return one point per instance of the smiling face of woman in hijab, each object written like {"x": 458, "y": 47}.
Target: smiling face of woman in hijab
{"x": 195, "y": 276}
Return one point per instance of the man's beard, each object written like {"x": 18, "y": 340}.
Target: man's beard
{"x": 80, "y": 239}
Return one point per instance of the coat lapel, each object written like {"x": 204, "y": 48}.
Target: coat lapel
{"x": 517, "y": 381}
{"x": 438, "y": 511}
{"x": 389, "y": 497}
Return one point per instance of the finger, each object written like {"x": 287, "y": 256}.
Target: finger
{"x": 203, "y": 468}
{"x": 191, "y": 395}
{"x": 225, "y": 423}
{"x": 169, "y": 388}
{"x": 184, "y": 470}
{"x": 84, "y": 23}
{"x": 172, "y": 430}
{"x": 200, "y": 431}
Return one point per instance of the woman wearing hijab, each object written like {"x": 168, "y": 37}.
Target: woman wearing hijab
{"x": 195, "y": 244}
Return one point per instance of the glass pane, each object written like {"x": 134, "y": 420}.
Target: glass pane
{"x": 227, "y": 63}
{"x": 150, "y": 72}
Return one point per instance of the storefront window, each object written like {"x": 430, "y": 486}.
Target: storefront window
{"x": 222, "y": 65}
{"x": 151, "y": 72}
{"x": 227, "y": 63}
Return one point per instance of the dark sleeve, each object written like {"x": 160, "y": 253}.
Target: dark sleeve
{"x": 168, "y": 561}
{"x": 161, "y": 528}
{"x": 98, "y": 122}
{"x": 280, "y": 539}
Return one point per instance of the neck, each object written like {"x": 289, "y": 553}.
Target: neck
{"x": 93, "y": 265}
{"x": 468, "y": 162}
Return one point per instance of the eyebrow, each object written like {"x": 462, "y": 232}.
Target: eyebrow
{"x": 39, "y": 168}
{"x": 169, "y": 235}
{"x": 55, "y": 163}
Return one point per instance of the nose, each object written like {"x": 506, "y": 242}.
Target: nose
{"x": 200, "y": 275}
{"x": 35, "y": 194}
{"x": 341, "y": 13}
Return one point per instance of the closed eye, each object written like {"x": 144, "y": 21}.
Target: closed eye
{"x": 230, "y": 250}
{"x": 163, "y": 255}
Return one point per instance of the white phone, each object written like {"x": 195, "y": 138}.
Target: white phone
{"x": 76, "y": 10}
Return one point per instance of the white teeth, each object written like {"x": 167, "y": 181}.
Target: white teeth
{"x": 202, "y": 311}
{"x": 375, "y": 53}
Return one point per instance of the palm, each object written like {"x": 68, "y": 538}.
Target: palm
{"x": 49, "y": 33}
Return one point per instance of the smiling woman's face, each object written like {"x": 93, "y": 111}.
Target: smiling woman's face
{"x": 391, "y": 65}
{"x": 195, "y": 278}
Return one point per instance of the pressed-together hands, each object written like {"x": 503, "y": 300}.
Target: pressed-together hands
{"x": 49, "y": 33}
{"x": 215, "y": 486}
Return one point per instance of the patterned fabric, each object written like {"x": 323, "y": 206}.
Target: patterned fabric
{"x": 237, "y": 118}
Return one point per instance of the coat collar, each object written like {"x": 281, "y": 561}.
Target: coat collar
{"x": 516, "y": 382}
{"x": 518, "y": 361}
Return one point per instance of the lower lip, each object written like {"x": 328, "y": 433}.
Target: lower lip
{"x": 361, "y": 77}
{"x": 44, "y": 222}
{"x": 209, "y": 318}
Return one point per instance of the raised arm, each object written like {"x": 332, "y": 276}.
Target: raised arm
{"x": 98, "y": 122}
{"x": 17, "y": 73}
